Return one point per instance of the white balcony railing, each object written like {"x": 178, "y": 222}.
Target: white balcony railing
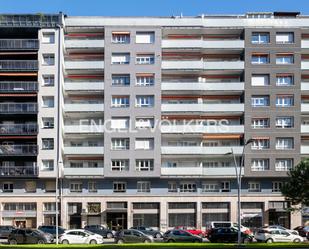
{"x": 83, "y": 150}
{"x": 305, "y": 107}
{"x": 83, "y": 128}
{"x": 84, "y": 107}
{"x": 85, "y": 43}
{"x": 202, "y": 65}
{"x": 84, "y": 86}
{"x": 198, "y": 171}
{"x": 214, "y": 129}
{"x": 305, "y": 44}
{"x": 202, "y": 107}
{"x": 91, "y": 65}
{"x": 201, "y": 86}
{"x": 83, "y": 171}
{"x": 304, "y": 149}
{"x": 202, "y": 44}
{"x": 305, "y": 65}
{"x": 199, "y": 150}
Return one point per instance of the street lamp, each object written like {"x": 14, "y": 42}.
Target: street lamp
{"x": 238, "y": 178}
{"x": 56, "y": 201}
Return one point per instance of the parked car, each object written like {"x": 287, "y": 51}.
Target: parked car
{"x": 5, "y": 231}
{"x": 148, "y": 230}
{"x": 303, "y": 231}
{"x": 225, "y": 224}
{"x": 192, "y": 230}
{"x": 80, "y": 236}
{"x": 102, "y": 230}
{"x": 132, "y": 236}
{"x": 51, "y": 230}
{"x": 29, "y": 236}
{"x": 281, "y": 228}
{"x": 178, "y": 235}
{"x": 228, "y": 234}
{"x": 276, "y": 235}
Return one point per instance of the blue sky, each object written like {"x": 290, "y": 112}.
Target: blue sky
{"x": 151, "y": 7}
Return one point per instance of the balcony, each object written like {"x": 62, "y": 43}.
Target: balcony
{"x": 198, "y": 171}
{"x": 305, "y": 86}
{"x": 18, "y": 129}
{"x": 18, "y": 108}
{"x": 19, "y": 171}
{"x": 199, "y": 86}
{"x": 84, "y": 107}
{"x": 85, "y": 43}
{"x": 305, "y": 65}
{"x": 18, "y": 65}
{"x": 18, "y": 213}
{"x": 199, "y": 150}
{"x": 84, "y": 65}
{"x": 304, "y": 149}
{"x": 18, "y": 87}
{"x": 19, "y": 44}
{"x": 83, "y": 150}
{"x": 202, "y": 107}
{"x": 305, "y": 107}
{"x": 305, "y": 44}
{"x": 93, "y": 172}
{"x": 29, "y": 20}
{"x": 204, "y": 44}
{"x": 83, "y": 129}
{"x": 213, "y": 129}
{"x": 84, "y": 86}
{"x": 203, "y": 65}
{"x": 18, "y": 150}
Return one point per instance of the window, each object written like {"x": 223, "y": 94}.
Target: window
{"x": 47, "y": 143}
{"x": 145, "y": 37}
{"x": 144, "y": 122}
{"x": 260, "y": 38}
{"x": 285, "y": 37}
{"x": 260, "y": 59}
{"x": 121, "y": 79}
{"x": 48, "y": 37}
{"x": 187, "y": 187}
{"x": 260, "y": 143}
{"x": 260, "y": 123}
{"x": 120, "y": 165}
{"x": 144, "y": 165}
{"x": 120, "y": 123}
{"x": 283, "y": 164}
{"x": 284, "y": 122}
{"x": 260, "y": 101}
{"x": 143, "y": 187}
{"x": 48, "y": 101}
{"x": 121, "y": 37}
{"x": 142, "y": 59}
{"x": 284, "y": 143}
{"x": 48, "y": 123}
{"x": 94, "y": 208}
{"x": 259, "y": 164}
{"x": 92, "y": 186}
{"x": 120, "y": 101}
{"x": 284, "y": 59}
{"x": 284, "y": 101}
{"x": 119, "y": 187}
{"x": 120, "y": 143}
{"x": 7, "y": 187}
{"x": 276, "y": 186}
{"x": 254, "y": 187}
{"x": 76, "y": 187}
{"x": 260, "y": 80}
{"x": 30, "y": 186}
{"x": 144, "y": 143}
{"x": 47, "y": 165}
{"x": 284, "y": 80}
{"x": 48, "y": 59}
{"x": 120, "y": 58}
{"x": 225, "y": 186}
{"x": 144, "y": 80}
{"x": 144, "y": 101}
{"x": 209, "y": 187}
{"x": 50, "y": 186}
{"x": 48, "y": 80}
{"x": 172, "y": 187}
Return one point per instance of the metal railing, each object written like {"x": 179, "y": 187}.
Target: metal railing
{"x": 22, "y": 108}
{"x": 15, "y": 65}
{"x": 19, "y": 44}
{"x": 18, "y": 149}
{"x": 18, "y": 171}
{"x": 18, "y": 86}
{"x": 18, "y": 129}
{"x": 34, "y": 20}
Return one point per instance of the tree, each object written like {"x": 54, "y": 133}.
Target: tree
{"x": 296, "y": 189}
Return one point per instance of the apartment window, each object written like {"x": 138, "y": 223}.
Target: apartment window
{"x": 209, "y": 187}
{"x": 50, "y": 186}
{"x": 120, "y": 143}
{"x": 119, "y": 187}
{"x": 254, "y": 187}
{"x": 259, "y": 101}
{"x": 260, "y": 143}
{"x": 172, "y": 187}
{"x": 121, "y": 79}
{"x": 284, "y": 80}
{"x": 47, "y": 143}
{"x": 76, "y": 187}
{"x": 187, "y": 187}
{"x": 120, "y": 165}
{"x": 48, "y": 123}
{"x": 121, "y": 37}
{"x": 143, "y": 187}
{"x": 144, "y": 143}
{"x": 225, "y": 186}
{"x": 259, "y": 164}
{"x": 145, "y": 37}
{"x": 260, "y": 59}
{"x": 142, "y": 59}
{"x": 260, "y": 38}
{"x": 284, "y": 101}
{"x": 284, "y": 164}
{"x": 120, "y": 123}
{"x": 7, "y": 187}
{"x": 144, "y": 165}
{"x": 144, "y": 101}
{"x": 276, "y": 187}
{"x": 284, "y": 122}
{"x": 144, "y": 122}
{"x": 48, "y": 37}
{"x": 30, "y": 186}
{"x": 260, "y": 80}
{"x": 120, "y": 101}
{"x": 47, "y": 165}
{"x": 144, "y": 80}
{"x": 48, "y": 80}
{"x": 285, "y": 37}
{"x": 120, "y": 58}
{"x": 92, "y": 186}
{"x": 284, "y": 143}
{"x": 92, "y": 164}
{"x": 48, "y": 59}
{"x": 260, "y": 123}
{"x": 284, "y": 59}
{"x": 48, "y": 102}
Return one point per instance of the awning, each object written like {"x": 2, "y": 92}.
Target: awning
{"x": 218, "y": 136}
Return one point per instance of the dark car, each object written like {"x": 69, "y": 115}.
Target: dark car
{"x": 228, "y": 234}
{"x": 303, "y": 231}
{"x": 101, "y": 230}
{"x": 132, "y": 236}
{"x": 29, "y": 236}
{"x": 5, "y": 231}
{"x": 51, "y": 230}
{"x": 148, "y": 230}
{"x": 181, "y": 236}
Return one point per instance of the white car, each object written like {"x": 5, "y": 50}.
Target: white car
{"x": 80, "y": 236}
{"x": 282, "y": 228}
{"x": 276, "y": 235}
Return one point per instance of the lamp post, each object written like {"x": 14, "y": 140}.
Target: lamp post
{"x": 56, "y": 201}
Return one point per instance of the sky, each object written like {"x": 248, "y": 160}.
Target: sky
{"x": 151, "y": 7}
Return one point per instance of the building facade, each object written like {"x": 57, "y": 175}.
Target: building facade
{"x": 144, "y": 120}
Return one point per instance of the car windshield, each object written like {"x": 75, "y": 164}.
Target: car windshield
{"x": 89, "y": 232}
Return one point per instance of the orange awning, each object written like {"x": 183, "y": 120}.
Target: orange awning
{"x": 18, "y": 95}
{"x": 219, "y": 136}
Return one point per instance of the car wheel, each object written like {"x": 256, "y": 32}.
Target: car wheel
{"x": 158, "y": 236}
{"x": 269, "y": 241}
{"x": 170, "y": 241}
{"x": 41, "y": 241}
{"x": 147, "y": 241}
{"x": 109, "y": 235}
{"x": 246, "y": 241}
{"x": 296, "y": 240}
{"x": 13, "y": 242}
{"x": 65, "y": 241}
{"x": 93, "y": 242}
{"x": 120, "y": 241}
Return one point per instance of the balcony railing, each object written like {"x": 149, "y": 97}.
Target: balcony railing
{"x": 27, "y": 44}
{"x": 22, "y": 108}
{"x": 16, "y": 65}
{"x": 18, "y": 129}
{"x": 32, "y": 20}
{"x": 18, "y": 171}
{"x": 18, "y": 150}
{"x": 18, "y": 86}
